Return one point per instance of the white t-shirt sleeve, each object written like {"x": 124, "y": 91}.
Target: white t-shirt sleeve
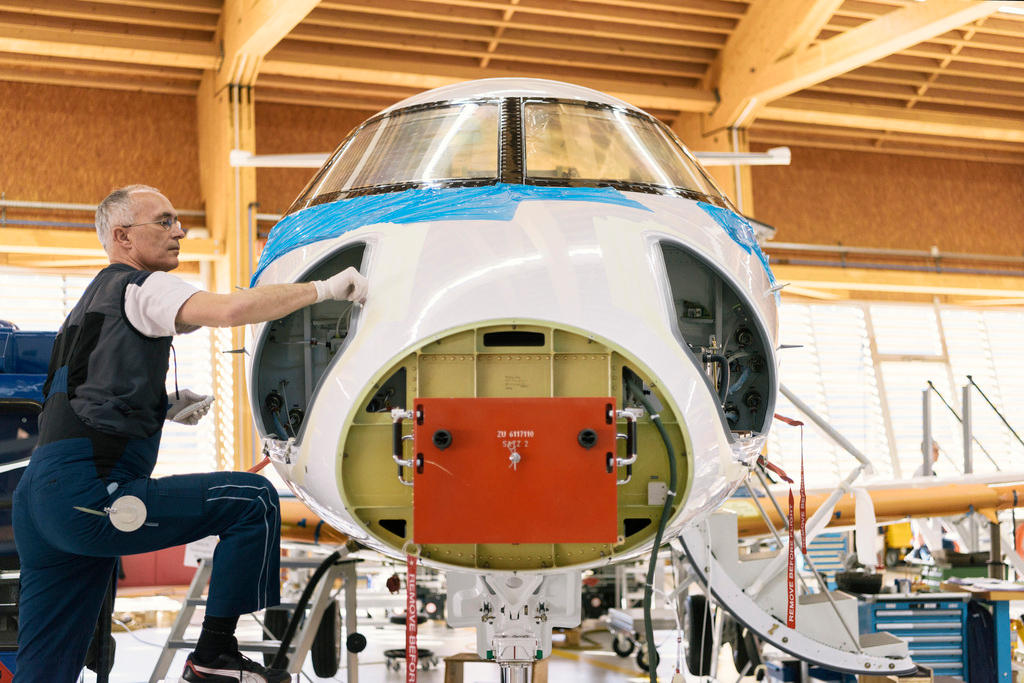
{"x": 152, "y": 306}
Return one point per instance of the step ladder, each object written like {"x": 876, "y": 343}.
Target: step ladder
{"x": 827, "y": 629}
{"x": 319, "y": 601}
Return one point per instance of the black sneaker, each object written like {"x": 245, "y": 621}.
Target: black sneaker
{"x": 229, "y": 669}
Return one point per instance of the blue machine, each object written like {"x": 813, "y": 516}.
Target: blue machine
{"x": 24, "y": 358}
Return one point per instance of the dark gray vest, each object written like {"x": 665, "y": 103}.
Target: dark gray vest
{"x": 115, "y": 374}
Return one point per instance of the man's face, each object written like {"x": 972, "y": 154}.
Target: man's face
{"x": 153, "y": 247}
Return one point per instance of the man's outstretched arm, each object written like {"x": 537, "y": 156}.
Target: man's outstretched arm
{"x": 268, "y": 302}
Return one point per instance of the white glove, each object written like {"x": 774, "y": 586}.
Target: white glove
{"x": 187, "y": 407}
{"x": 348, "y": 284}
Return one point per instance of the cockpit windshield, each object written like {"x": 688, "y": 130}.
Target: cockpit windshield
{"x": 410, "y": 147}
{"x": 591, "y": 144}
{"x": 544, "y": 141}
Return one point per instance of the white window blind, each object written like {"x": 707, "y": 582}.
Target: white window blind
{"x": 839, "y": 375}
{"x": 832, "y": 371}
{"x": 41, "y": 301}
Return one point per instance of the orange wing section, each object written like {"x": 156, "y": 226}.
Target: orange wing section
{"x": 515, "y": 470}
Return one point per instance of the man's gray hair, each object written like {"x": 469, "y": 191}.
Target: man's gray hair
{"x": 117, "y": 209}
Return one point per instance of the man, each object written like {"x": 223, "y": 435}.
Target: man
{"x": 99, "y": 432}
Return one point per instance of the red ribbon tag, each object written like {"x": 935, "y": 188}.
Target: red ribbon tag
{"x": 776, "y": 469}
{"x": 411, "y": 651}
{"x": 803, "y": 498}
{"x": 791, "y": 570}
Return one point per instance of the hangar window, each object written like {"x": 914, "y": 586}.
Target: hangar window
{"x": 586, "y": 144}
{"x": 418, "y": 145}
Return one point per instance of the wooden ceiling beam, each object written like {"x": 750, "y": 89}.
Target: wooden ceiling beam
{"x": 389, "y": 94}
{"x": 768, "y": 31}
{"x": 121, "y": 14}
{"x": 55, "y": 242}
{"x": 318, "y": 99}
{"x": 603, "y": 28}
{"x": 935, "y": 93}
{"x": 250, "y": 29}
{"x": 575, "y": 10}
{"x": 745, "y": 93}
{"x": 801, "y": 110}
{"x": 62, "y": 64}
{"x": 890, "y": 147}
{"x": 98, "y": 80}
{"x": 796, "y": 130}
{"x": 855, "y": 279}
{"x": 411, "y": 73}
{"x": 106, "y": 46}
{"x": 713, "y": 8}
{"x": 513, "y": 34}
{"x": 206, "y": 6}
{"x": 378, "y": 41}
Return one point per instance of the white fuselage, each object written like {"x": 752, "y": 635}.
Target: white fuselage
{"x": 591, "y": 267}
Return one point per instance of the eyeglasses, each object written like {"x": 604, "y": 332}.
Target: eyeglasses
{"x": 168, "y": 223}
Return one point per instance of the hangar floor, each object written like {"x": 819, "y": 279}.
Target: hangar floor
{"x": 137, "y": 653}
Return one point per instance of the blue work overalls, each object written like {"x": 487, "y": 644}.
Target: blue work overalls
{"x": 67, "y": 556}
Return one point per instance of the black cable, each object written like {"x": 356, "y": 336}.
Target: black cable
{"x": 281, "y": 658}
{"x": 652, "y": 651}
{"x": 971, "y": 380}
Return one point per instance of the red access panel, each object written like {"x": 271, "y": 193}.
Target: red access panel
{"x": 515, "y": 470}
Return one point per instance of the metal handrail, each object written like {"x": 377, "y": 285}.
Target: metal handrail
{"x": 960, "y": 420}
{"x": 992, "y": 405}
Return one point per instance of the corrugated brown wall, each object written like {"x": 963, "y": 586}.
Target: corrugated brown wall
{"x": 67, "y": 144}
{"x": 865, "y": 199}
{"x": 63, "y": 144}
{"x": 284, "y": 129}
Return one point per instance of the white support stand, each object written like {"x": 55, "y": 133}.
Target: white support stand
{"x": 514, "y": 614}
{"x": 303, "y": 639}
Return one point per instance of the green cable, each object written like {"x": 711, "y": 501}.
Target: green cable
{"x": 652, "y": 651}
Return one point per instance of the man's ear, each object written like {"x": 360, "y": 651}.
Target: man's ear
{"x": 120, "y": 237}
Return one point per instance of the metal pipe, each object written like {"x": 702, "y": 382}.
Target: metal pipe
{"x": 516, "y": 672}
{"x": 820, "y": 422}
{"x": 926, "y": 429}
{"x": 918, "y": 499}
{"x": 968, "y": 436}
{"x": 897, "y": 267}
{"x": 64, "y": 206}
{"x": 868, "y": 251}
{"x": 47, "y": 224}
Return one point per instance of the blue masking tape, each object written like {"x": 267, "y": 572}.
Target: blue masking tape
{"x": 492, "y": 202}
{"x": 741, "y": 233}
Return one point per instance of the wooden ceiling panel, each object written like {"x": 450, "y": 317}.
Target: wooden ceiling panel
{"x": 659, "y": 54}
{"x": 107, "y": 27}
{"x": 554, "y": 25}
{"x": 120, "y": 14}
{"x": 577, "y": 10}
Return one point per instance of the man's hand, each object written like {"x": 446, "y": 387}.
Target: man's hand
{"x": 348, "y": 284}
{"x": 187, "y": 407}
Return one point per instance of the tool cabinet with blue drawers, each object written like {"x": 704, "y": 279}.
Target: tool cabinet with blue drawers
{"x": 933, "y": 624}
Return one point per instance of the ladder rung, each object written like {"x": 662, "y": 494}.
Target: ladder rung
{"x": 199, "y": 602}
{"x": 266, "y": 646}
